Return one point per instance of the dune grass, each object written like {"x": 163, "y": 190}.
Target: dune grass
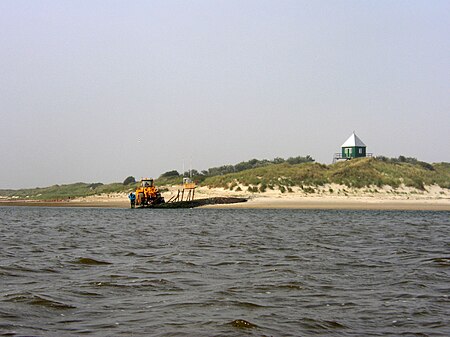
{"x": 62, "y": 192}
{"x": 358, "y": 173}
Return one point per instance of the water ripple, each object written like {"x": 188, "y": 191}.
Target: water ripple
{"x": 98, "y": 272}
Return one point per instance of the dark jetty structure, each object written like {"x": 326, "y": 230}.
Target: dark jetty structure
{"x": 198, "y": 203}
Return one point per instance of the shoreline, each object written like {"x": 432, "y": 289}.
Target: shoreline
{"x": 265, "y": 203}
{"x": 62, "y": 203}
{"x": 338, "y": 197}
{"x": 346, "y": 204}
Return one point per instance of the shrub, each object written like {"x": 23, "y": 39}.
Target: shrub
{"x": 168, "y": 174}
{"x": 94, "y": 186}
{"x": 300, "y": 160}
{"x": 309, "y": 189}
{"x": 129, "y": 180}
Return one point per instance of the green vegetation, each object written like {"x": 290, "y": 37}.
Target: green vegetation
{"x": 358, "y": 173}
{"x": 173, "y": 173}
{"x": 62, "y": 192}
{"x": 129, "y": 180}
{"x": 260, "y": 175}
{"x": 174, "y": 178}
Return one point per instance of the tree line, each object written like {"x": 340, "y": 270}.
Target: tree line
{"x": 242, "y": 166}
{"x": 409, "y": 160}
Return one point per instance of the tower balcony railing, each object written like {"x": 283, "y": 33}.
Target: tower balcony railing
{"x": 339, "y": 156}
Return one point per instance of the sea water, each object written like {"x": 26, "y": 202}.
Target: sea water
{"x": 208, "y": 272}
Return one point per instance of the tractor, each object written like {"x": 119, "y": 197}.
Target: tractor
{"x": 147, "y": 194}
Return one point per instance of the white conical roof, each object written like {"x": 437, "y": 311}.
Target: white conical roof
{"x": 353, "y": 140}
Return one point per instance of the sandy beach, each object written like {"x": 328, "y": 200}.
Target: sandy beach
{"x": 324, "y": 197}
{"x": 349, "y": 204}
{"x": 341, "y": 197}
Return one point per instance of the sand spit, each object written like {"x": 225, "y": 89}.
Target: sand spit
{"x": 331, "y": 196}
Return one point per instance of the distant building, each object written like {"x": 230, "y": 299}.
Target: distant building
{"x": 353, "y": 147}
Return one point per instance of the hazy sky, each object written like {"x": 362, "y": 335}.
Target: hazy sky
{"x": 95, "y": 91}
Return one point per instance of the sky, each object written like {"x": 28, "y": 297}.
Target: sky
{"x": 96, "y": 91}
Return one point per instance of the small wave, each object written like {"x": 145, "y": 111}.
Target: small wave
{"x": 291, "y": 286}
{"x": 294, "y": 258}
{"x": 108, "y": 284}
{"x": 271, "y": 287}
{"x": 136, "y": 284}
{"x": 4, "y": 272}
{"x": 224, "y": 263}
{"x": 90, "y": 262}
{"x": 248, "y": 304}
{"x": 17, "y": 268}
{"x": 39, "y": 300}
{"x": 11, "y": 333}
{"x": 243, "y": 324}
{"x": 441, "y": 261}
{"x": 7, "y": 315}
{"x": 87, "y": 293}
{"x": 191, "y": 264}
{"x": 315, "y": 324}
